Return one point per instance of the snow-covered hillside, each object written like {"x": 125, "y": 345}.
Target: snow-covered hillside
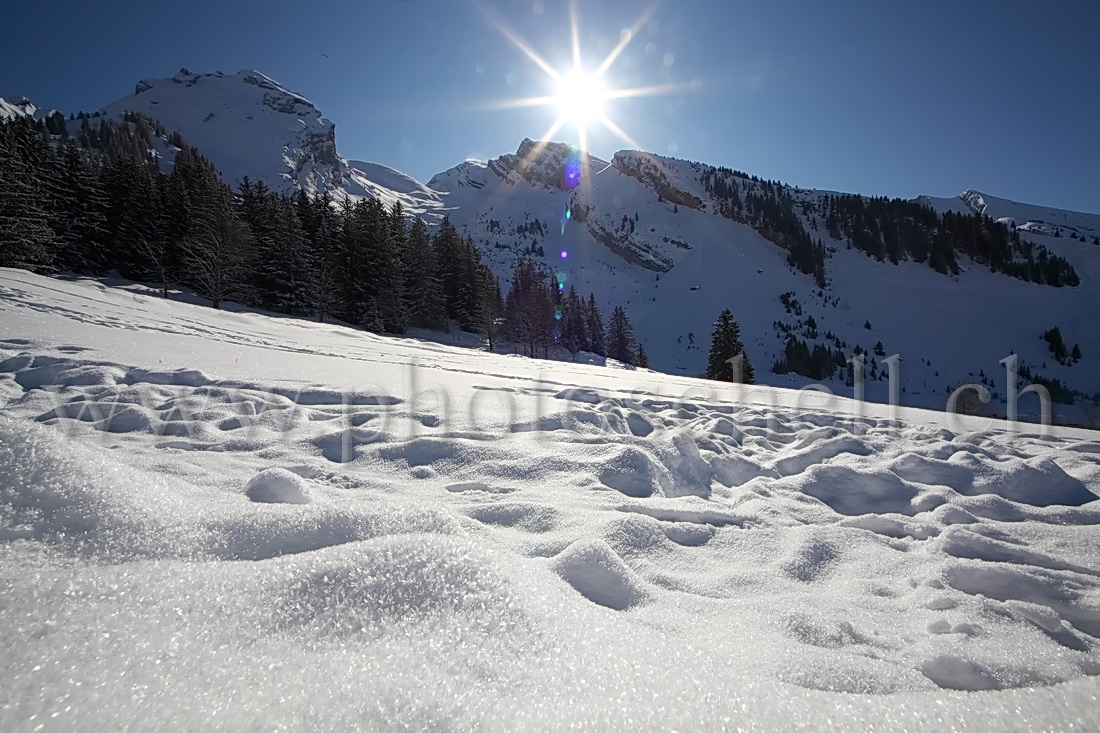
{"x": 248, "y": 124}
{"x": 1035, "y": 219}
{"x": 12, "y": 108}
{"x": 643, "y": 232}
{"x": 228, "y": 520}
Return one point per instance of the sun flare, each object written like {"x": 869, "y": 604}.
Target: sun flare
{"x": 580, "y": 97}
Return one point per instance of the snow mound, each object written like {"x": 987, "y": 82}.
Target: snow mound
{"x": 852, "y": 492}
{"x": 635, "y": 473}
{"x": 598, "y": 574}
{"x": 278, "y": 486}
{"x": 365, "y": 588}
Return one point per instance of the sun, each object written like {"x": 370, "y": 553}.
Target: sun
{"x": 580, "y": 97}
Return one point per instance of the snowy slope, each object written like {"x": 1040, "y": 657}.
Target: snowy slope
{"x": 248, "y": 124}
{"x": 388, "y": 185}
{"x": 218, "y": 519}
{"x": 641, "y": 231}
{"x": 674, "y": 267}
{"x": 1029, "y": 218}
{"x": 10, "y": 109}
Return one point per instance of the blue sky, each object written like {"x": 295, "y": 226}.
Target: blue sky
{"x": 880, "y": 98}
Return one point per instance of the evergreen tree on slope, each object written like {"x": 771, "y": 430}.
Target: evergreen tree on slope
{"x": 725, "y": 345}
{"x": 621, "y": 344}
{"x": 26, "y": 239}
{"x": 597, "y": 340}
{"x": 423, "y": 289}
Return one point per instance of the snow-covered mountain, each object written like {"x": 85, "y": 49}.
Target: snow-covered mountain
{"x": 1026, "y": 217}
{"x": 248, "y": 124}
{"x": 643, "y": 231}
{"x": 12, "y": 108}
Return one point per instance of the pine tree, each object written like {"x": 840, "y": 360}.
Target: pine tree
{"x": 528, "y": 310}
{"x": 470, "y": 298}
{"x": 1053, "y": 337}
{"x": 725, "y": 348}
{"x": 594, "y": 324}
{"x": 621, "y": 344}
{"x": 325, "y": 254}
{"x": 448, "y": 252}
{"x": 385, "y": 276}
{"x": 643, "y": 359}
{"x": 79, "y": 214}
{"x": 492, "y": 305}
{"x": 175, "y": 213}
{"x": 573, "y": 324}
{"x": 256, "y": 206}
{"x": 423, "y": 289}
{"x": 298, "y": 265}
{"x": 351, "y": 274}
{"x": 218, "y": 250}
{"x": 130, "y": 216}
{"x": 26, "y": 239}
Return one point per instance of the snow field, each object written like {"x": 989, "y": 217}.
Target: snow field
{"x": 202, "y": 524}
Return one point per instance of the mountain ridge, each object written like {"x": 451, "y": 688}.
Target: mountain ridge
{"x": 670, "y": 240}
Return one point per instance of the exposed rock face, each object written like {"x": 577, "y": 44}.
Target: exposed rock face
{"x": 646, "y": 170}
{"x": 554, "y": 165}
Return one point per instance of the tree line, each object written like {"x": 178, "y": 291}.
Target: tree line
{"x": 884, "y": 228}
{"x": 896, "y": 229}
{"x": 96, "y": 201}
{"x": 539, "y": 316}
{"x": 766, "y": 207}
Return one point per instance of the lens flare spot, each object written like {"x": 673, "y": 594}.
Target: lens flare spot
{"x": 568, "y": 215}
{"x": 564, "y": 254}
{"x": 557, "y": 313}
{"x": 573, "y": 169}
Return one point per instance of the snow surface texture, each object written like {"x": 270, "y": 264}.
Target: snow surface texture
{"x": 223, "y": 519}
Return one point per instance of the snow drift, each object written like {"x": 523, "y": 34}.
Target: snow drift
{"x": 232, "y": 520}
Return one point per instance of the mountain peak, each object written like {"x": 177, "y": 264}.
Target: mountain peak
{"x": 246, "y": 124}
{"x": 547, "y": 163}
{"x": 16, "y": 107}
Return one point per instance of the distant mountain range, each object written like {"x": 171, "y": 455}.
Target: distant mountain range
{"x": 675, "y": 242}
